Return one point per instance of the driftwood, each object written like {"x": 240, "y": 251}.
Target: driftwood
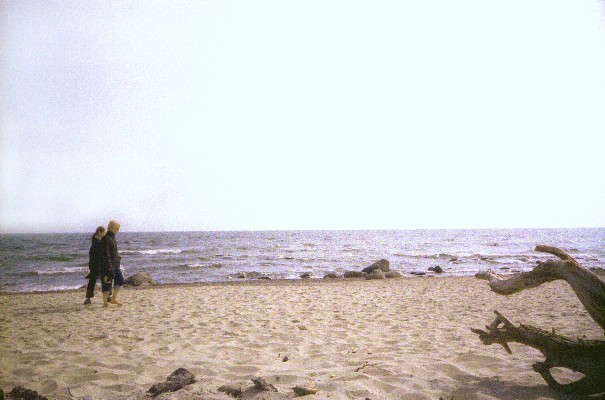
{"x": 585, "y": 356}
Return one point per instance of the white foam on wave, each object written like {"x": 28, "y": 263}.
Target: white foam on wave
{"x": 152, "y": 252}
{"x": 65, "y": 270}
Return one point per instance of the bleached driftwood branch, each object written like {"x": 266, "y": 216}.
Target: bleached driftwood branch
{"x": 585, "y": 356}
{"x": 589, "y": 288}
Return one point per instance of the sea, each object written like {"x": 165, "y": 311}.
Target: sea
{"x": 51, "y": 262}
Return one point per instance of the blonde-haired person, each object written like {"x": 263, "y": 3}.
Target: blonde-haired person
{"x": 95, "y": 260}
{"x": 111, "y": 273}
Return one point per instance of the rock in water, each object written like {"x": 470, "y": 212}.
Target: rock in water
{"x": 176, "y": 381}
{"x": 376, "y": 274}
{"x": 382, "y": 265}
{"x": 354, "y": 274}
{"x": 142, "y": 278}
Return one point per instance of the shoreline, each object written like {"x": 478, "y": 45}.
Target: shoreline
{"x": 403, "y": 338}
{"x": 600, "y": 272}
{"x": 278, "y": 281}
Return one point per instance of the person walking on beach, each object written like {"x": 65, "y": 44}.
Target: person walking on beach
{"x": 111, "y": 274}
{"x": 95, "y": 259}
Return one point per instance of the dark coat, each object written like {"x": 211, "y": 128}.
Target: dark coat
{"x": 111, "y": 257}
{"x": 95, "y": 256}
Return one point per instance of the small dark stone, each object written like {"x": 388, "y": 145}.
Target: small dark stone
{"x": 303, "y": 391}
{"x": 305, "y": 276}
{"x": 261, "y": 384}
{"x": 376, "y": 274}
{"x": 175, "y": 381}
{"x": 330, "y": 275}
{"x": 231, "y": 390}
{"x": 437, "y": 269}
{"x": 355, "y": 274}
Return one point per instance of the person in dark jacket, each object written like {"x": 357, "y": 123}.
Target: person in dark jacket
{"x": 95, "y": 259}
{"x": 111, "y": 274}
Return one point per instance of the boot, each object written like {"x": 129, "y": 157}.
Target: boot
{"x": 114, "y": 296}
{"x": 105, "y": 299}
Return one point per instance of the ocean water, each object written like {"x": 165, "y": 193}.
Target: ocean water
{"x": 43, "y": 262}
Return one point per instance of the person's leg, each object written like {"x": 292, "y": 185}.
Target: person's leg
{"x": 90, "y": 289}
{"x": 118, "y": 281}
{"x": 106, "y": 288}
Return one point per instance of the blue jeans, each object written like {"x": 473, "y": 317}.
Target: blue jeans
{"x": 107, "y": 280}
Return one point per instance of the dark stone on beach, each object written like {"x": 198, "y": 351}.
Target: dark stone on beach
{"x": 418, "y": 273}
{"x": 330, "y": 275}
{"x": 263, "y": 385}
{"x": 376, "y": 274}
{"x": 383, "y": 265}
{"x": 437, "y": 269}
{"x": 19, "y": 392}
{"x": 175, "y": 381}
{"x": 140, "y": 279}
{"x": 231, "y": 390}
{"x": 392, "y": 274}
{"x": 300, "y": 391}
{"x": 305, "y": 276}
{"x": 355, "y": 274}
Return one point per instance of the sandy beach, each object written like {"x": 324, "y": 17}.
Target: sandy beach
{"x": 403, "y": 338}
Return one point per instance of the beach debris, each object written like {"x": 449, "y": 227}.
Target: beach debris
{"x": 263, "y": 385}
{"x": 22, "y": 393}
{"x": 231, "y": 390}
{"x": 139, "y": 279}
{"x": 365, "y": 364}
{"x": 285, "y": 359}
{"x": 175, "y": 381}
{"x": 382, "y": 265}
{"x": 303, "y": 390}
{"x": 581, "y": 355}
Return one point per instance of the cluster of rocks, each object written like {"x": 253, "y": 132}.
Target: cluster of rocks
{"x": 182, "y": 377}
{"x": 249, "y": 275}
{"x": 21, "y": 393}
{"x": 261, "y": 386}
{"x": 378, "y": 270}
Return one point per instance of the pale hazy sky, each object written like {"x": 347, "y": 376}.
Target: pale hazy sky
{"x": 222, "y": 115}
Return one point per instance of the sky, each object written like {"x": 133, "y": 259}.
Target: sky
{"x": 275, "y": 115}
